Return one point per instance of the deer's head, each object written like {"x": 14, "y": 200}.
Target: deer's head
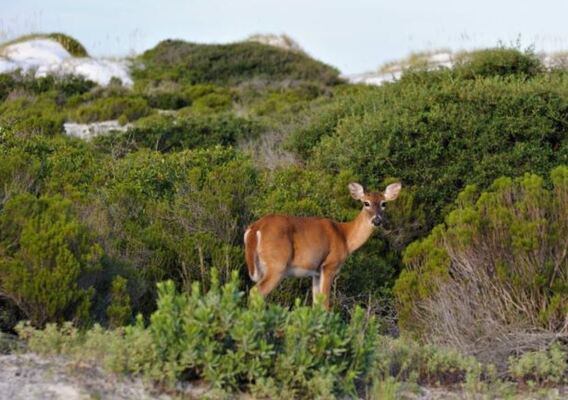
{"x": 374, "y": 203}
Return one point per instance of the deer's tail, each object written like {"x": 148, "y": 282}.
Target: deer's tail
{"x": 252, "y": 239}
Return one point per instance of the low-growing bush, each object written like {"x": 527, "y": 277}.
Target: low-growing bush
{"x": 497, "y": 62}
{"x": 409, "y": 361}
{"x": 259, "y": 348}
{"x": 541, "y": 367}
{"x": 125, "y": 109}
{"x": 32, "y": 116}
{"x": 7, "y": 84}
{"x": 168, "y": 133}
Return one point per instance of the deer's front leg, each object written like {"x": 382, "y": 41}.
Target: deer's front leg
{"x": 328, "y": 272}
{"x": 316, "y": 282}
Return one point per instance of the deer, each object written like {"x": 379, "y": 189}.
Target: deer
{"x": 278, "y": 246}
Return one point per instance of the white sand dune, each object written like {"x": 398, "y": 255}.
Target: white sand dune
{"x": 47, "y": 56}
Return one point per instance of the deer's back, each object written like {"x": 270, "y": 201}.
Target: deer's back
{"x": 303, "y": 242}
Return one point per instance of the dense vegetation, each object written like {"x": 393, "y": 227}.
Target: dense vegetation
{"x": 218, "y": 135}
{"x": 494, "y": 277}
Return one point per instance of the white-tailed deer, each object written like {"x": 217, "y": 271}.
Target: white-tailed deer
{"x": 277, "y": 246}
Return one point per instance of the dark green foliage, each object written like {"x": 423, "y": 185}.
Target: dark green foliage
{"x": 348, "y": 101}
{"x": 164, "y": 100}
{"x": 193, "y": 63}
{"x": 45, "y": 254}
{"x": 174, "y": 215}
{"x": 439, "y": 135}
{"x": 119, "y": 312}
{"x": 169, "y": 133}
{"x": 37, "y": 106}
{"x": 48, "y": 165}
{"x": 7, "y": 84}
{"x": 124, "y": 109}
{"x": 497, "y": 62}
{"x": 35, "y": 116}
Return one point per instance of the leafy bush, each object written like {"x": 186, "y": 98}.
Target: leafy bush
{"x": 119, "y": 311}
{"x": 493, "y": 278}
{"x": 264, "y": 349}
{"x": 122, "y": 108}
{"x": 437, "y": 133}
{"x": 543, "y": 367}
{"x": 46, "y": 258}
{"x": 410, "y": 361}
{"x": 7, "y": 84}
{"x": 174, "y": 215}
{"x": 171, "y": 133}
{"x": 32, "y": 116}
{"x": 229, "y": 63}
{"x": 497, "y": 62}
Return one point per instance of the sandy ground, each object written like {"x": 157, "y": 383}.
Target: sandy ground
{"x": 30, "y": 377}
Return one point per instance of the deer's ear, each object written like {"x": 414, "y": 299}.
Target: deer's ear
{"x": 392, "y": 191}
{"x": 356, "y": 190}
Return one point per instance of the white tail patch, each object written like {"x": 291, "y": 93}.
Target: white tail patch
{"x": 258, "y": 263}
{"x": 246, "y": 234}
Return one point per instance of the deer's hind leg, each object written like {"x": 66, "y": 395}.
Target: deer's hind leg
{"x": 269, "y": 283}
{"x": 274, "y": 259}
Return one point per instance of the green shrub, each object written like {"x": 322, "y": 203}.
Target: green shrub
{"x": 48, "y": 165}
{"x": 497, "y": 62}
{"x": 46, "y": 258}
{"x": 122, "y": 108}
{"x": 171, "y": 133}
{"x": 32, "y": 116}
{"x": 119, "y": 311}
{"x": 174, "y": 215}
{"x": 495, "y": 270}
{"x": 19, "y": 171}
{"x": 165, "y": 100}
{"x": 542, "y": 367}
{"x": 264, "y": 349}
{"x": 229, "y": 63}
{"x": 282, "y": 100}
{"x": 7, "y": 84}
{"x": 410, "y": 361}
{"x": 437, "y": 133}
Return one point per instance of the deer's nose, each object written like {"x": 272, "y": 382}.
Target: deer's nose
{"x": 377, "y": 220}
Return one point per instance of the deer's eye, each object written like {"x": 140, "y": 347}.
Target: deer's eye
{"x": 383, "y": 205}
{"x": 367, "y": 204}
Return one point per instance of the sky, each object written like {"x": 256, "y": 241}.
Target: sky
{"x": 352, "y": 35}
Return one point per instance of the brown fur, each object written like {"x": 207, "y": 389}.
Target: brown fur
{"x": 307, "y": 246}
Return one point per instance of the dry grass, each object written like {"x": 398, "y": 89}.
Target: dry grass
{"x": 506, "y": 263}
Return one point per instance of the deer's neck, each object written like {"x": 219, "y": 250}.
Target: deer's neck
{"x": 358, "y": 231}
